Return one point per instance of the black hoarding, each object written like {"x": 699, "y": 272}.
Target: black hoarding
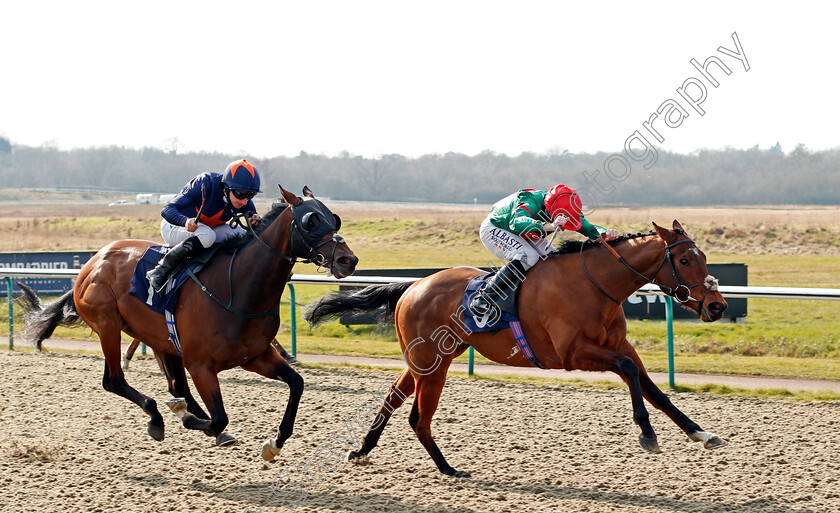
{"x": 46, "y": 261}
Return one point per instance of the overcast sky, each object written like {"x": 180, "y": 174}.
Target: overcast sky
{"x": 276, "y": 78}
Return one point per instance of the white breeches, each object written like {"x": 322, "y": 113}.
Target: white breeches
{"x": 173, "y": 235}
{"x": 509, "y": 246}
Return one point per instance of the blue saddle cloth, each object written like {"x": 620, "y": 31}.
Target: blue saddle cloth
{"x": 141, "y": 289}
{"x": 491, "y": 324}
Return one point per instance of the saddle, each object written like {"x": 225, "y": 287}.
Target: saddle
{"x": 164, "y": 302}
{"x": 495, "y": 321}
{"x": 492, "y": 321}
{"x": 168, "y": 297}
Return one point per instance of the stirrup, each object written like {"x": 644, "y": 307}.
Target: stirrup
{"x": 162, "y": 279}
{"x": 480, "y": 305}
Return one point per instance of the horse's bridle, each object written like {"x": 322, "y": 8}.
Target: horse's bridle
{"x": 311, "y": 255}
{"x": 308, "y": 254}
{"x": 709, "y": 281}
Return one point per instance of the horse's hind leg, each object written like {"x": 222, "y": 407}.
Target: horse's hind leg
{"x": 397, "y": 393}
{"x": 427, "y": 396}
{"x": 271, "y": 365}
{"x": 129, "y": 353}
{"x": 114, "y": 381}
{"x": 592, "y": 357}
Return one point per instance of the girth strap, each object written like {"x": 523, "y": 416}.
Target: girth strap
{"x": 524, "y": 346}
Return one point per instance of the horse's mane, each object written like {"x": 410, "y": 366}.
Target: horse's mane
{"x": 238, "y": 242}
{"x": 574, "y": 246}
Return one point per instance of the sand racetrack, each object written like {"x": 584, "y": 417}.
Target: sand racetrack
{"x": 67, "y": 445}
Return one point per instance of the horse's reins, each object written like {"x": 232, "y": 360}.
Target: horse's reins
{"x": 710, "y": 282}
{"x": 238, "y": 220}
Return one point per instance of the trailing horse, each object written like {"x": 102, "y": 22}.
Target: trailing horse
{"x": 251, "y": 270}
{"x": 570, "y": 311}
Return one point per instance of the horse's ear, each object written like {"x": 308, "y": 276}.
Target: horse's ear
{"x": 677, "y": 226}
{"x": 290, "y": 198}
{"x": 664, "y": 233}
{"x": 307, "y": 192}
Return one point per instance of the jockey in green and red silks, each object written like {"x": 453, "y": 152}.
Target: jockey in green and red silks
{"x": 516, "y": 229}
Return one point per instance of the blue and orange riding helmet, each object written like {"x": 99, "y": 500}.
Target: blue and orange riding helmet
{"x": 562, "y": 199}
{"x": 241, "y": 175}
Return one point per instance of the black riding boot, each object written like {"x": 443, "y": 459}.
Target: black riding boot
{"x": 500, "y": 290}
{"x": 179, "y": 254}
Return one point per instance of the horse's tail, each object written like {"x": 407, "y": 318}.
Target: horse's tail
{"x": 357, "y": 302}
{"x": 42, "y": 320}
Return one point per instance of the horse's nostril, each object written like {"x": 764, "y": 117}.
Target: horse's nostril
{"x": 349, "y": 260}
{"x": 716, "y": 307}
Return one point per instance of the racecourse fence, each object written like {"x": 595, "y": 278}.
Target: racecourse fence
{"x": 731, "y": 291}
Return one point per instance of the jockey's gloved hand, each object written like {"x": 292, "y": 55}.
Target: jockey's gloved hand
{"x": 255, "y": 220}
{"x": 611, "y": 234}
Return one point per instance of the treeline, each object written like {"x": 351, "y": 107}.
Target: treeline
{"x": 706, "y": 177}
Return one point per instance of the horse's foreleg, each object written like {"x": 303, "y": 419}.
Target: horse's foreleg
{"x": 660, "y": 401}
{"x": 397, "y": 394}
{"x": 271, "y": 365}
{"x": 206, "y": 382}
{"x": 592, "y": 357}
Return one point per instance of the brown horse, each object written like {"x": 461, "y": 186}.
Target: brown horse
{"x": 215, "y": 334}
{"x": 570, "y": 310}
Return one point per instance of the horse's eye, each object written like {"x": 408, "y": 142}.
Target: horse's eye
{"x": 684, "y": 261}
{"x": 309, "y": 221}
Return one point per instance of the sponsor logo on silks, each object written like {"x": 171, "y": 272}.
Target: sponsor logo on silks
{"x": 504, "y": 237}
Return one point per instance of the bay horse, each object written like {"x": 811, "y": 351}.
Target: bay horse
{"x": 570, "y": 311}
{"x": 251, "y": 270}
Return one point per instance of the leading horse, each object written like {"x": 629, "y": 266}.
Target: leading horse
{"x": 570, "y": 311}
{"x": 250, "y": 271}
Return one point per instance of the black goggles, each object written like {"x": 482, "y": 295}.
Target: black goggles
{"x": 243, "y": 194}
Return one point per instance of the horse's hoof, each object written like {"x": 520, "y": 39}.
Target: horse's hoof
{"x": 178, "y": 404}
{"x": 155, "y": 431}
{"x": 225, "y": 439}
{"x": 270, "y": 450}
{"x": 710, "y": 440}
{"x": 353, "y": 455}
{"x": 125, "y": 365}
{"x": 649, "y": 444}
{"x": 461, "y": 473}
{"x": 715, "y": 442}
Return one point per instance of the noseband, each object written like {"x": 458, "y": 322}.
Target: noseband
{"x": 710, "y": 282}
